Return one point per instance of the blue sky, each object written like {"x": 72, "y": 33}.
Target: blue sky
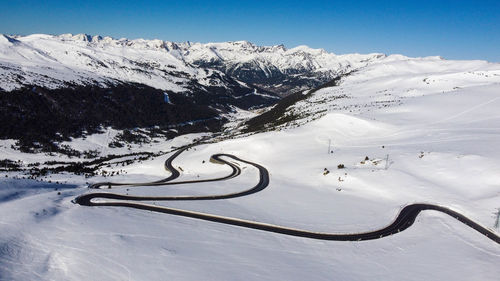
{"x": 452, "y": 29}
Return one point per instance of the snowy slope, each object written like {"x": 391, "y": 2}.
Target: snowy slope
{"x": 436, "y": 120}
{"x": 397, "y": 80}
{"x": 54, "y": 61}
{"x": 57, "y": 61}
{"x": 275, "y": 67}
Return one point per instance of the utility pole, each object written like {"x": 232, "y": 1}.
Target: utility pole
{"x": 387, "y": 162}
{"x": 329, "y": 145}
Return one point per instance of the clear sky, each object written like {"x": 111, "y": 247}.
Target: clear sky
{"x": 452, "y": 29}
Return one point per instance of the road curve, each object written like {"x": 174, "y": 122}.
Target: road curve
{"x": 86, "y": 199}
{"x": 403, "y": 220}
{"x": 174, "y": 173}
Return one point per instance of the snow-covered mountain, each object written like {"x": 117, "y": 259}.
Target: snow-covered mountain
{"x": 274, "y": 68}
{"x": 58, "y": 61}
{"x": 405, "y": 130}
{"x": 71, "y": 84}
{"x": 389, "y": 82}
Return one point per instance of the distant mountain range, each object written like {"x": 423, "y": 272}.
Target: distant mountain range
{"x": 54, "y": 87}
{"x": 58, "y": 61}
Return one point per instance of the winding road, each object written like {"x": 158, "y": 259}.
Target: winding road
{"x": 404, "y": 219}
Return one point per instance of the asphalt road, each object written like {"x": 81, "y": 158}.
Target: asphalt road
{"x": 174, "y": 173}
{"x": 403, "y": 220}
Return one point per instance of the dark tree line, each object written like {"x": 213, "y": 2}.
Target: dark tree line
{"x": 37, "y": 117}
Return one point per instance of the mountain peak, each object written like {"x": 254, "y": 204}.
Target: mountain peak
{"x": 307, "y": 49}
{"x": 82, "y": 37}
{"x": 243, "y": 43}
{"x": 275, "y": 48}
{"x": 169, "y": 65}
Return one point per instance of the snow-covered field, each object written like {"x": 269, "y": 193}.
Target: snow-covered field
{"x": 435, "y": 121}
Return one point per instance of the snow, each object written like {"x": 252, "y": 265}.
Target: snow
{"x": 51, "y": 61}
{"x": 81, "y": 59}
{"x": 437, "y": 121}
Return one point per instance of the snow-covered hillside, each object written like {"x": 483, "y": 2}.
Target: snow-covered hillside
{"x": 58, "y": 61}
{"x": 275, "y": 68}
{"x": 406, "y": 130}
{"x": 396, "y": 80}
